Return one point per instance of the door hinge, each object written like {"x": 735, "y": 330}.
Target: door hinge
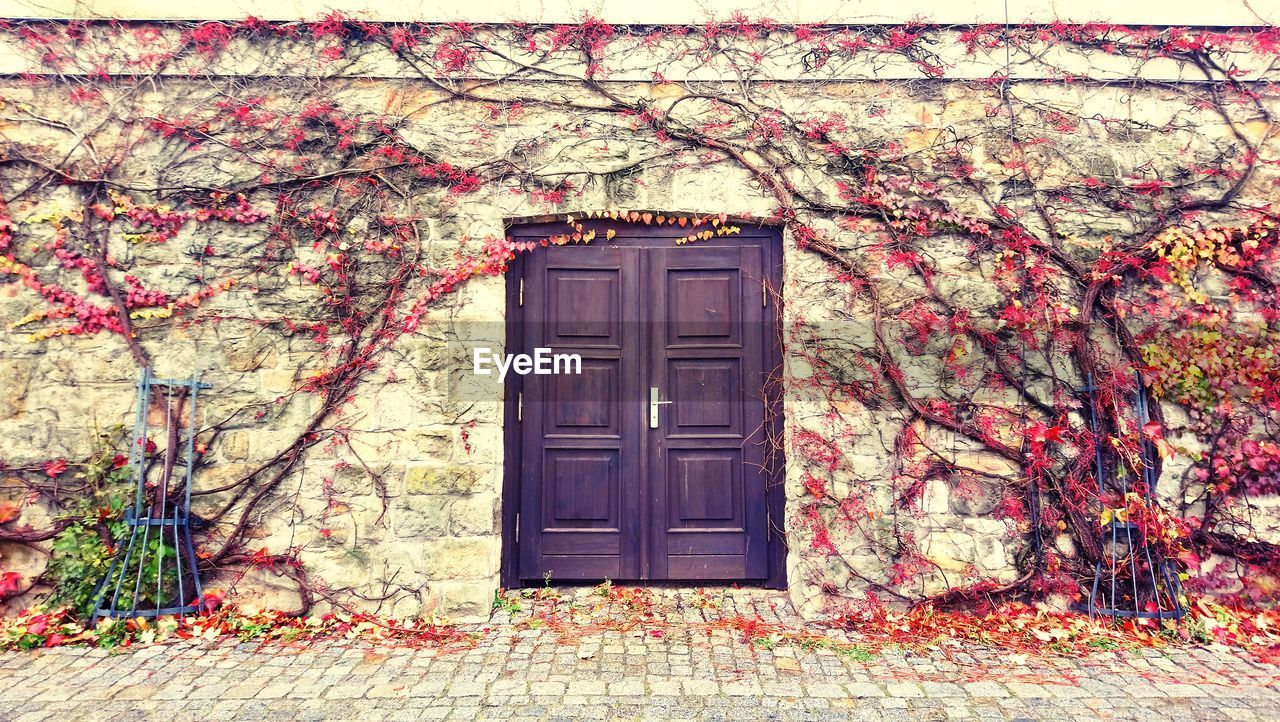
{"x": 764, "y": 293}
{"x": 519, "y": 406}
{"x": 522, "y": 293}
{"x": 517, "y": 527}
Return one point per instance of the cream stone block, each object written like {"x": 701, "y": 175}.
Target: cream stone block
{"x": 453, "y": 479}
{"x": 468, "y": 600}
{"x": 474, "y": 516}
{"x": 235, "y": 446}
{"x": 459, "y": 558}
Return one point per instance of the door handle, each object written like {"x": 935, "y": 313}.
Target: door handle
{"x": 654, "y": 403}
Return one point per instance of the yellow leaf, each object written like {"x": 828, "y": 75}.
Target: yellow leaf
{"x": 609, "y": 234}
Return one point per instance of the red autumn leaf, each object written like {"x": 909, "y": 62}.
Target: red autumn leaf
{"x": 10, "y": 583}
{"x": 38, "y": 624}
{"x": 1040, "y": 433}
{"x": 210, "y": 601}
{"x": 55, "y": 468}
{"x": 9, "y": 511}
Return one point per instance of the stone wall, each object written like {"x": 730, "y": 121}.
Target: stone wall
{"x": 404, "y": 514}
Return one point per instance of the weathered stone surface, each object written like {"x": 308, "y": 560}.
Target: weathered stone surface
{"x": 433, "y": 444}
{"x": 431, "y": 449}
{"x": 235, "y": 446}
{"x": 463, "y": 558}
{"x": 421, "y": 517}
{"x": 473, "y": 516}
{"x": 470, "y": 599}
{"x": 455, "y": 479}
{"x": 14, "y": 377}
{"x": 250, "y": 354}
{"x": 972, "y": 496}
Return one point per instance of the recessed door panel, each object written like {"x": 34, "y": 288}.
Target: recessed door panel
{"x": 705, "y": 488}
{"x": 581, "y": 489}
{"x": 709, "y": 393}
{"x": 585, "y": 307}
{"x": 703, "y": 305}
{"x": 588, "y": 403}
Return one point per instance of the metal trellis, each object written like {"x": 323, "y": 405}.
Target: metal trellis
{"x": 1129, "y": 579}
{"x": 154, "y": 572}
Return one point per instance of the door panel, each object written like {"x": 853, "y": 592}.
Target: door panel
{"x": 585, "y": 403}
{"x": 703, "y": 407}
{"x": 705, "y": 489}
{"x": 707, "y": 457}
{"x": 580, "y": 448}
{"x": 604, "y": 495}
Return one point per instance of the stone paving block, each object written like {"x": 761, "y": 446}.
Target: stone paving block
{"x": 742, "y": 689}
{"x": 1026, "y": 689}
{"x": 1181, "y": 690}
{"x": 547, "y": 689}
{"x": 346, "y": 691}
{"x": 942, "y": 689}
{"x": 587, "y": 688}
{"x": 626, "y": 688}
{"x": 985, "y": 689}
{"x": 824, "y": 689}
{"x": 864, "y": 689}
{"x": 904, "y": 689}
{"x": 700, "y": 687}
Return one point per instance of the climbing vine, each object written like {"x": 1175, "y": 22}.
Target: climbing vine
{"x": 958, "y": 218}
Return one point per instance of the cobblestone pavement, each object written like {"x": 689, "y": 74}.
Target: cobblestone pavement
{"x": 686, "y": 669}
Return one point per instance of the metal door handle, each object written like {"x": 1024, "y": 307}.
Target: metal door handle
{"x": 654, "y": 403}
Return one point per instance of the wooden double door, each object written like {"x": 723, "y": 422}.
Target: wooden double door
{"x": 653, "y": 463}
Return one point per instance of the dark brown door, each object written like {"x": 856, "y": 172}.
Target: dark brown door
{"x": 650, "y": 464}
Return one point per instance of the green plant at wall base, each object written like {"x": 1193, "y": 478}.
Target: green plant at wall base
{"x": 81, "y": 554}
{"x": 157, "y": 582}
{"x": 79, "y": 561}
{"x": 504, "y": 601}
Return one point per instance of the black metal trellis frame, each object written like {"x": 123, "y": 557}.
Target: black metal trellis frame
{"x": 159, "y": 520}
{"x": 1116, "y": 574}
